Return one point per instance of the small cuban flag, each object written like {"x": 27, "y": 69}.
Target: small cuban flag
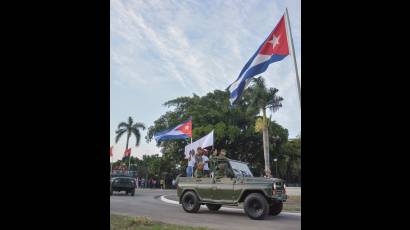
{"x": 273, "y": 49}
{"x": 181, "y": 131}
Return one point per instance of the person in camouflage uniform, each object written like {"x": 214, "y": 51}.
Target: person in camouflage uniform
{"x": 213, "y": 161}
{"x": 220, "y": 172}
{"x": 222, "y": 154}
{"x": 216, "y": 158}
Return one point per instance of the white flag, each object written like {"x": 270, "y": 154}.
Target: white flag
{"x": 203, "y": 142}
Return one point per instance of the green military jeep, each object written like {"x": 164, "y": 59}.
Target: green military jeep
{"x": 232, "y": 183}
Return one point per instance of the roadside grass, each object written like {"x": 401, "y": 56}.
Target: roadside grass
{"x": 120, "y": 222}
{"x": 293, "y": 204}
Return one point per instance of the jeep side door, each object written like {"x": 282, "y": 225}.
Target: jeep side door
{"x": 203, "y": 186}
{"x": 223, "y": 189}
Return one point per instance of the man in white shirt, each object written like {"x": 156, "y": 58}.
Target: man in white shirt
{"x": 191, "y": 163}
{"x": 205, "y": 159}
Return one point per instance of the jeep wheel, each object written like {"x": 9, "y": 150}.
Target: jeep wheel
{"x": 213, "y": 207}
{"x": 256, "y": 206}
{"x": 275, "y": 208}
{"x": 190, "y": 202}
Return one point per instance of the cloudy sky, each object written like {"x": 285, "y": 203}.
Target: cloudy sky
{"x": 165, "y": 49}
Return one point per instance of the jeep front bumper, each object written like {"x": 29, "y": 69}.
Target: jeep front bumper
{"x": 280, "y": 197}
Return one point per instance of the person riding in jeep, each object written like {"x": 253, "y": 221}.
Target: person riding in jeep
{"x": 220, "y": 172}
{"x": 199, "y": 171}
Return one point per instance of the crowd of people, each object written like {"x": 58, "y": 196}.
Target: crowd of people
{"x": 153, "y": 183}
{"x": 200, "y": 164}
{"x": 141, "y": 182}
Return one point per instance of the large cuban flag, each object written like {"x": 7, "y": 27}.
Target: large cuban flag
{"x": 273, "y": 49}
{"x": 181, "y": 131}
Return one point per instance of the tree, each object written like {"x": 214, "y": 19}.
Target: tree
{"x": 290, "y": 161}
{"x": 129, "y": 128}
{"x": 153, "y": 165}
{"x": 262, "y": 98}
{"x": 234, "y": 128}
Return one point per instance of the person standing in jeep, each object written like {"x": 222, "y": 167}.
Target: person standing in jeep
{"x": 205, "y": 160}
{"x": 191, "y": 163}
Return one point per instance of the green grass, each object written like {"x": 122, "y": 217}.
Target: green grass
{"x": 119, "y": 222}
{"x": 292, "y": 204}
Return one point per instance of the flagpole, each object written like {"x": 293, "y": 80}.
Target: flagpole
{"x": 129, "y": 161}
{"x": 293, "y": 54}
{"x": 111, "y": 157}
{"x": 191, "y": 129}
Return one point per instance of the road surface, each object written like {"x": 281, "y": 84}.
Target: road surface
{"x": 148, "y": 203}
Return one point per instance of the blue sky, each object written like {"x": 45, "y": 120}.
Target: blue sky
{"x": 163, "y": 49}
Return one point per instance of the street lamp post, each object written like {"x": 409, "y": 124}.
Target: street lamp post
{"x": 276, "y": 162}
{"x": 276, "y": 138}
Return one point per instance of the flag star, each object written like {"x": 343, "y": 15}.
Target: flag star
{"x": 274, "y": 41}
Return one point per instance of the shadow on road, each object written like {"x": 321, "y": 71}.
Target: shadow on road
{"x": 233, "y": 213}
{"x": 122, "y": 194}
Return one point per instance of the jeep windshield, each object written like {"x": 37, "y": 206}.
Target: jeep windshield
{"x": 121, "y": 173}
{"x": 240, "y": 169}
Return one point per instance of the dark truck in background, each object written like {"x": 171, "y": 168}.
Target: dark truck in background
{"x": 122, "y": 182}
{"x": 260, "y": 196}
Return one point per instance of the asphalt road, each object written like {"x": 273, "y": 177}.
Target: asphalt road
{"x": 148, "y": 203}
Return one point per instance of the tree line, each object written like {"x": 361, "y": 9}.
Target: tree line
{"x": 237, "y": 129}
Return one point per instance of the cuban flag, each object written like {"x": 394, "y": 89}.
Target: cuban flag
{"x": 181, "y": 131}
{"x": 273, "y": 49}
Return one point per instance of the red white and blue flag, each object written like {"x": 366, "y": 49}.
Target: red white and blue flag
{"x": 127, "y": 152}
{"x": 273, "y": 49}
{"x": 181, "y": 131}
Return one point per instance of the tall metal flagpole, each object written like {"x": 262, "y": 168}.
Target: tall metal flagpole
{"x": 293, "y": 53}
{"x": 111, "y": 158}
{"x": 265, "y": 139}
{"x": 129, "y": 161}
{"x": 191, "y": 137}
{"x": 191, "y": 130}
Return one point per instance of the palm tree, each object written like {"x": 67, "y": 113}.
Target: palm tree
{"x": 129, "y": 128}
{"x": 263, "y": 98}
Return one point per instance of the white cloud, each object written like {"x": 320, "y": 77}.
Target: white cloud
{"x": 184, "y": 47}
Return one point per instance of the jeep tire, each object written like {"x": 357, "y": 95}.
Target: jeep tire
{"x": 213, "y": 207}
{"x": 275, "y": 208}
{"x": 190, "y": 202}
{"x": 256, "y": 206}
